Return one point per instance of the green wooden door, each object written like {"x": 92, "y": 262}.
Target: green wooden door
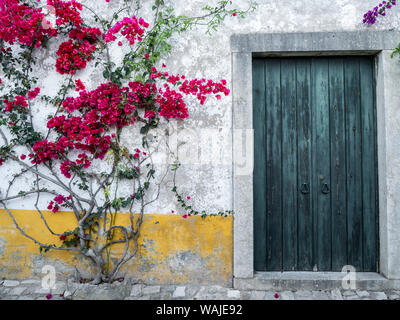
{"x": 315, "y": 174}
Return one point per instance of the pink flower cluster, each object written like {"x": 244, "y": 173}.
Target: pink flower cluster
{"x": 19, "y": 22}
{"x": 130, "y": 28}
{"x": 78, "y": 50}
{"x": 25, "y": 24}
{"x": 202, "y": 87}
{"x": 137, "y": 154}
{"x": 74, "y": 56}
{"x": 19, "y": 101}
{"x": 44, "y": 150}
{"x": 171, "y": 102}
{"x": 93, "y": 113}
{"x": 198, "y": 87}
{"x": 33, "y": 94}
{"x": 112, "y": 105}
{"x": 83, "y": 160}
{"x": 88, "y": 34}
{"x": 108, "y": 105}
{"x": 79, "y": 86}
{"x": 67, "y": 12}
{"x": 65, "y": 168}
{"x": 57, "y": 202}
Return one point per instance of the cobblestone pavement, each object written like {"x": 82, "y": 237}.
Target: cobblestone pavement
{"x": 70, "y": 290}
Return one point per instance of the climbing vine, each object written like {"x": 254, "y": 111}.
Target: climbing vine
{"x": 79, "y": 161}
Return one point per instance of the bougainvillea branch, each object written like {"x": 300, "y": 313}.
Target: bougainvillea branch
{"x": 78, "y": 162}
{"x": 371, "y": 16}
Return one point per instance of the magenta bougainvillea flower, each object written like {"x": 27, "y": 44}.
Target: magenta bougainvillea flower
{"x": 371, "y": 16}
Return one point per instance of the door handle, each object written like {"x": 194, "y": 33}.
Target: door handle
{"x": 305, "y": 189}
{"x": 325, "y": 188}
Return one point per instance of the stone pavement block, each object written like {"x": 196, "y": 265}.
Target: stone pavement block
{"x": 245, "y": 295}
{"x": 41, "y": 291}
{"x": 270, "y": 295}
{"x": 17, "y": 291}
{"x": 191, "y": 291}
{"x": 30, "y": 289}
{"x": 10, "y": 283}
{"x": 257, "y": 295}
{"x": 362, "y": 293}
{"x": 151, "y": 290}
{"x": 234, "y": 294}
{"x": 378, "y": 296}
{"x": 60, "y": 289}
{"x": 216, "y": 289}
{"x": 199, "y": 295}
{"x": 26, "y": 298}
{"x": 348, "y": 293}
{"x": 31, "y": 281}
{"x": 287, "y": 295}
{"x": 166, "y": 296}
{"x": 168, "y": 288}
{"x": 136, "y": 290}
{"x": 336, "y": 294}
{"x": 4, "y": 291}
{"x": 68, "y": 295}
{"x": 393, "y": 296}
{"x": 320, "y": 295}
{"x": 9, "y": 298}
{"x": 303, "y": 295}
{"x": 179, "y": 292}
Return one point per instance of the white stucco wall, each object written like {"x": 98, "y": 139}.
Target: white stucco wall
{"x": 208, "y": 131}
{"x": 195, "y": 54}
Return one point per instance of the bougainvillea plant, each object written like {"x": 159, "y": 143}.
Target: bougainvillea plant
{"x": 78, "y": 162}
{"x": 371, "y": 16}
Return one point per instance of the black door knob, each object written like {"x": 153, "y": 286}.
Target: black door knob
{"x": 305, "y": 189}
{"x": 325, "y": 188}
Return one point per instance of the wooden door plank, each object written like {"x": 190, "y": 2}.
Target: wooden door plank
{"x": 274, "y": 164}
{"x": 338, "y": 163}
{"x": 305, "y": 230}
{"x": 259, "y": 181}
{"x": 321, "y": 165}
{"x": 289, "y": 164}
{"x": 354, "y": 170}
{"x": 369, "y": 175}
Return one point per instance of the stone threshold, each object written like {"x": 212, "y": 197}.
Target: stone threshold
{"x": 313, "y": 281}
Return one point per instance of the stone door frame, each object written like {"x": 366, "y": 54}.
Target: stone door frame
{"x": 387, "y": 70}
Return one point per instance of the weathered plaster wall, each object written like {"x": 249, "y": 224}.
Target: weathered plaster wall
{"x": 196, "y": 54}
{"x": 171, "y": 249}
{"x": 207, "y": 176}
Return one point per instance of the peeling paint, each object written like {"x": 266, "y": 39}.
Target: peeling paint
{"x": 174, "y": 250}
